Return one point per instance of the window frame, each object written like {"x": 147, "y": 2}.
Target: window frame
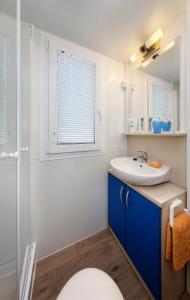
{"x": 50, "y": 46}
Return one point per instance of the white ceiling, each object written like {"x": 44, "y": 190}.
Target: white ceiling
{"x": 111, "y": 27}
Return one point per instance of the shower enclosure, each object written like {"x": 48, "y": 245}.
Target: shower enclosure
{"x": 16, "y": 249}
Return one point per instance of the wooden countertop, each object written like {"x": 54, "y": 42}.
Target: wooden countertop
{"x": 159, "y": 194}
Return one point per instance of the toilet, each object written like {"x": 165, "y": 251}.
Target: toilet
{"x": 90, "y": 284}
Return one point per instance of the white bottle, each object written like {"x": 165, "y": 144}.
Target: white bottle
{"x": 131, "y": 125}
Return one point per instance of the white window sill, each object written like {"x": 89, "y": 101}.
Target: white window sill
{"x": 49, "y": 157}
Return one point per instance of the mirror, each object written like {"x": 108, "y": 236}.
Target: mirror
{"x": 156, "y": 92}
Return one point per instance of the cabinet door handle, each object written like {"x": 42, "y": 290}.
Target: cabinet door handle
{"x": 127, "y": 198}
{"x": 121, "y": 194}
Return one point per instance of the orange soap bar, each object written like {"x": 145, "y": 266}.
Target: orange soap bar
{"x": 154, "y": 164}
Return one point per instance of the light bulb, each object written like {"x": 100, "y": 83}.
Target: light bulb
{"x": 169, "y": 46}
{"x": 154, "y": 38}
{"x": 147, "y": 62}
{"x": 134, "y": 57}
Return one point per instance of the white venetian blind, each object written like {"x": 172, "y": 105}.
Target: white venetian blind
{"x": 160, "y": 101}
{"x": 76, "y": 106}
{"x": 3, "y": 117}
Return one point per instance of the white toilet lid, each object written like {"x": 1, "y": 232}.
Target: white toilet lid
{"x": 90, "y": 284}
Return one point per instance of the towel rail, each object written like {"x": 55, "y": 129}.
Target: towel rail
{"x": 175, "y": 204}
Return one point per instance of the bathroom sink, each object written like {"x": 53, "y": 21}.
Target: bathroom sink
{"x": 139, "y": 173}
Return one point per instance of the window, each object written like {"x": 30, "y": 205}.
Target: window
{"x": 76, "y": 100}
{"x": 3, "y": 114}
{"x": 160, "y": 101}
{"x": 159, "y": 96}
{"x": 73, "y": 119}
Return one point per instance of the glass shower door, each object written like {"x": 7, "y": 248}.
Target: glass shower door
{"x": 25, "y": 242}
{"x": 8, "y": 148}
{"x": 15, "y": 244}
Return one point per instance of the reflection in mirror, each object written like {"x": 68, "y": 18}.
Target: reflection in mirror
{"x": 156, "y": 95}
{"x": 7, "y": 144}
{"x": 3, "y": 129}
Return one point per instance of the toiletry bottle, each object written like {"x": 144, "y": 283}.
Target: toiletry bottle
{"x": 131, "y": 125}
{"x": 142, "y": 124}
{"x": 150, "y": 124}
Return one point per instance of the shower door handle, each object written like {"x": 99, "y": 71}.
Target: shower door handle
{"x": 12, "y": 155}
{"x": 9, "y": 155}
{"x": 24, "y": 149}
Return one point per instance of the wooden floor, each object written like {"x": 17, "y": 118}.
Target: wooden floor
{"x": 185, "y": 297}
{"x": 99, "y": 251}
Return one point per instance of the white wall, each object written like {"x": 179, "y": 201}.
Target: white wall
{"x": 140, "y": 97}
{"x": 69, "y": 195}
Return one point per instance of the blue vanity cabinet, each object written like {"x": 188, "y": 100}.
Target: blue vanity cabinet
{"x": 143, "y": 240}
{"x": 116, "y": 208}
{"x": 136, "y": 222}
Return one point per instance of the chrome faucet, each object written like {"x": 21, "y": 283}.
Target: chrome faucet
{"x": 142, "y": 155}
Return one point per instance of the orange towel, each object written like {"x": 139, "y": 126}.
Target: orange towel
{"x": 178, "y": 241}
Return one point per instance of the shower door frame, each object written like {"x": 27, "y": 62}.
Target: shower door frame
{"x": 18, "y": 193}
{"x": 25, "y": 275}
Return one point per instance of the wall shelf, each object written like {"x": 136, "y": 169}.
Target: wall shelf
{"x": 164, "y": 134}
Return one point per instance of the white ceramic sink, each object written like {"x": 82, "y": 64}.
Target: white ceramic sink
{"x": 139, "y": 173}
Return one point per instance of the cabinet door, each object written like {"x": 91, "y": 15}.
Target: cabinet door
{"x": 116, "y": 207}
{"x": 143, "y": 239}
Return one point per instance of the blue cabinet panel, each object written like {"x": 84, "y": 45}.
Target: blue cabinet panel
{"x": 136, "y": 222}
{"x": 116, "y": 207}
{"x": 143, "y": 239}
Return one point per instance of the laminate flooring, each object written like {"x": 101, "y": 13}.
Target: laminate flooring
{"x": 98, "y": 251}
